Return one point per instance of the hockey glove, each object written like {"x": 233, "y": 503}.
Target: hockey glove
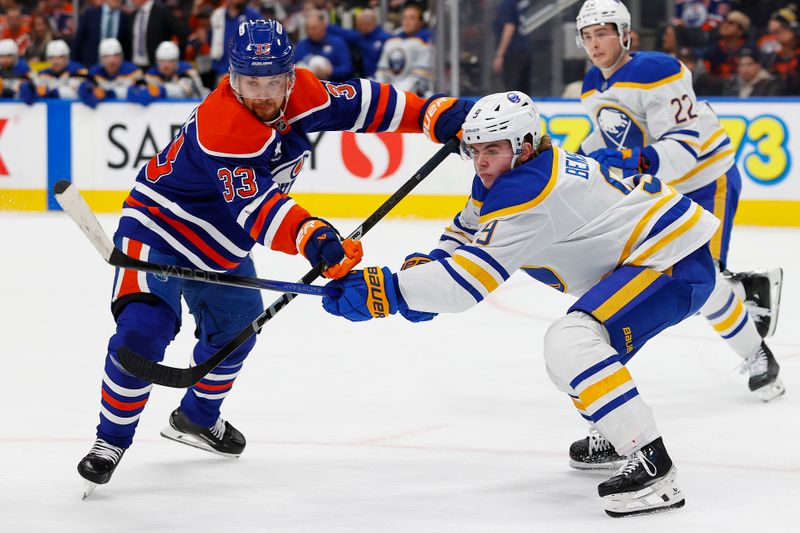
{"x": 630, "y": 160}
{"x": 27, "y": 92}
{"x": 442, "y": 117}
{"x": 87, "y": 95}
{"x": 319, "y": 242}
{"x": 366, "y": 294}
{"x": 411, "y": 261}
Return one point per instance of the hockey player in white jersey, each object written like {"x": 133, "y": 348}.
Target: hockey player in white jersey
{"x": 633, "y": 250}
{"x": 646, "y": 118}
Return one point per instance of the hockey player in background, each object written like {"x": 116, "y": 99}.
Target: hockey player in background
{"x": 112, "y": 78}
{"x": 646, "y": 119}
{"x": 634, "y": 251}
{"x": 171, "y": 78}
{"x": 63, "y": 77}
{"x": 219, "y": 188}
{"x": 406, "y": 60}
{"x": 15, "y": 73}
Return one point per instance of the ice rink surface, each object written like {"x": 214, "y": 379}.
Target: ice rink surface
{"x": 448, "y": 426}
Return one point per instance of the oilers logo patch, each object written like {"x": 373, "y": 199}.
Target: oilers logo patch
{"x": 618, "y": 128}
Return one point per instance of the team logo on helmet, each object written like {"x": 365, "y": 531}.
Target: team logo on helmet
{"x": 513, "y": 97}
{"x": 618, "y": 128}
{"x": 397, "y": 61}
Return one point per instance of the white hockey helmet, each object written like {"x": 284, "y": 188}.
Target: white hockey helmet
{"x": 167, "y": 51}
{"x": 109, "y": 47}
{"x": 507, "y": 116}
{"x": 604, "y": 12}
{"x": 9, "y": 48}
{"x": 57, "y": 48}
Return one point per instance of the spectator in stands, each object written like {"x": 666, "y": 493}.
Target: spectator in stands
{"x": 14, "y": 72}
{"x": 636, "y": 41}
{"x": 512, "y": 56}
{"x": 703, "y": 83}
{"x": 112, "y": 78}
{"x": 705, "y": 15}
{"x": 367, "y": 39}
{"x": 669, "y": 41}
{"x": 153, "y": 24}
{"x": 225, "y": 21}
{"x": 16, "y": 30}
{"x": 720, "y": 60}
{"x": 768, "y": 43}
{"x": 786, "y": 63}
{"x": 41, "y": 35}
{"x": 406, "y": 59}
{"x": 59, "y": 12}
{"x": 108, "y": 21}
{"x": 751, "y": 79}
{"x": 198, "y": 46}
{"x": 324, "y": 53}
{"x": 63, "y": 77}
{"x": 170, "y": 78}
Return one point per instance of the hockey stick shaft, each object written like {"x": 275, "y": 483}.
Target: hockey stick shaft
{"x": 186, "y": 377}
{"x": 76, "y": 207}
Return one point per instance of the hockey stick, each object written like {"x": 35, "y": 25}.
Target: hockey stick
{"x": 76, "y": 207}
{"x": 182, "y": 378}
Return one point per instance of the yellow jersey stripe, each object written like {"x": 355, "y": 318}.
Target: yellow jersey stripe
{"x": 627, "y": 293}
{"x": 643, "y": 222}
{"x": 578, "y": 404}
{"x": 476, "y": 203}
{"x": 720, "y": 196}
{"x": 593, "y": 392}
{"x": 702, "y": 166}
{"x": 712, "y": 139}
{"x": 477, "y": 272}
{"x": 588, "y": 93}
{"x": 659, "y": 83}
{"x": 514, "y": 209}
{"x": 732, "y": 319}
{"x": 680, "y": 230}
{"x": 457, "y": 232}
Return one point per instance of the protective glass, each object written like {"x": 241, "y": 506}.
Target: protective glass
{"x": 263, "y": 87}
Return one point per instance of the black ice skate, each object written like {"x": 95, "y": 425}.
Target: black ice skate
{"x": 762, "y": 297}
{"x": 763, "y": 370}
{"x": 594, "y": 453}
{"x": 98, "y": 465}
{"x": 646, "y": 484}
{"x": 221, "y": 438}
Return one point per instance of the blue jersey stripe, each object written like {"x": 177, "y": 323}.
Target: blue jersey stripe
{"x": 449, "y": 238}
{"x": 461, "y": 281}
{"x": 724, "y": 309}
{"x": 613, "y": 404}
{"x": 489, "y": 259}
{"x": 390, "y": 109}
{"x": 460, "y": 226}
{"x": 691, "y": 133}
{"x": 594, "y": 369}
{"x": 726, "y": 142}
{"x": 738, "y": 328}
{"x": 675, "y": 212}
{"x": 375, "y": 89}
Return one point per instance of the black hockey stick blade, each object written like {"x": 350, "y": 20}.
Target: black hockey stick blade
{"x": 79, "y": 211}
{"x": 167, "y": 376}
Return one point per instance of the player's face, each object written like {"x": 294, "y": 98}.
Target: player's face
{"x": 264, "y": 96}
{"x": 602, "y": 45}
{"x": 7, "y": 62}
{"x": 111, "y": 62}
{"x": 491, "y": 160}
{"x": 167, "y": 67}
{"x": 59, "y": 63}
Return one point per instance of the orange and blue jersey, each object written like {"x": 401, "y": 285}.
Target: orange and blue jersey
{"x": 221, "y": 185}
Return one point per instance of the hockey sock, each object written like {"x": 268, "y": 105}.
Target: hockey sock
{"x": 728, "y": 316}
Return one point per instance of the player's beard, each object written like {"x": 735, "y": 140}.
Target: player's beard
{"x": 265, "y": 110}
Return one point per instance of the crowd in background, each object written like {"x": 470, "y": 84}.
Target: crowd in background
{"x": 145, "y": 50}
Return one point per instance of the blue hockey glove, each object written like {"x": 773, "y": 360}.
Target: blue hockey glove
{"x": 27, "y": 92}
{"x": 411, "y": 261}
{"x": 318, "y": 241}
{"x": 366, "y": 294}
{"x": 87, "y": 95}
{"x": 630, "y": 160}
{"x": 442, "y": 117}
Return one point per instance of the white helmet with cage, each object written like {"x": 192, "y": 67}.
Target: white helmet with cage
{"x": 605, "y": 12}
{"x": 510, "y": 116}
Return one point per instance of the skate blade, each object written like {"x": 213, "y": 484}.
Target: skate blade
{"x": 190, "y": 440}
{"x": 662, "y": 496}
{"x": 771, "y": 391}
{"x": 88, "y": 489}
{"x": 775, "y": 277}
{"x": 597, "y": 467}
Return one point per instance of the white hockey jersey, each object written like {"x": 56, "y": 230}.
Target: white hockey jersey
{"x": 650, "y": 101}
{"x": 565, "y": 221}
{"x": 406, "y": 63}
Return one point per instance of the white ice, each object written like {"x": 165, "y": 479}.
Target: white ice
{"x": 449, "y": 426}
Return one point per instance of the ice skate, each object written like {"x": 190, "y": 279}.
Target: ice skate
{"x": 763, "y": 370}
{"x": 99, "y": 464}
{"x": 646, "y": 484}
{"x": 594, "y": 453}
{"x": 762, "y": 296}
{"x": 221, "y": 438}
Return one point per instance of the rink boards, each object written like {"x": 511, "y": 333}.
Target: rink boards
{"x": 346, "y": 174}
